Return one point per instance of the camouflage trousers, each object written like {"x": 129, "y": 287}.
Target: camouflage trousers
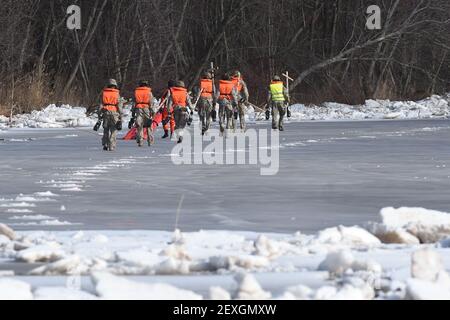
{"x": 143, "y": 124}
{"x": 226, "y": 115}
{"x": 110, "y": 120}
{"x": 205, "y": 108}
{"x": 181, "y": 117}
{"x": 278, "y": 113}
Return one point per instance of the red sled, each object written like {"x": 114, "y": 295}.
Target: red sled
{"x": 131, "y": 135}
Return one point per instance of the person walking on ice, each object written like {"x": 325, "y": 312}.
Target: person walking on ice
{"x": 228, "y": 100}
{"x": 180, "y": 102}
{"x": 142, "y": 113}
{"x": 111, "y": 114}
{"x": 277, "y": 99}
{"x": 206, "y": 100}
{"x": 243, "y": 97}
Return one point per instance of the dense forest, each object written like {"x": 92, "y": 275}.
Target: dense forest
{"x": 326, "y": 46}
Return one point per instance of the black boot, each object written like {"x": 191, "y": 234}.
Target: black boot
{"x": 267, "y": 115}
{"x": 214, "y": 116}
{"x": 166, "y": 134}
{"x": 105, "y": 148}
{"x": 180, "y": 140}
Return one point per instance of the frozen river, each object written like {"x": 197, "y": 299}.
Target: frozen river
{"x": 331, "y": 173}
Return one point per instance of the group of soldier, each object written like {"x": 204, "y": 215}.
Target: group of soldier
{"x": 177, "y": 107}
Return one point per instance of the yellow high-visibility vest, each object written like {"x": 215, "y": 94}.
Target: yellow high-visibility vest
{"x": 277, "y": 91}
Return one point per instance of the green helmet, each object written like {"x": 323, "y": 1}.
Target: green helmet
{"x": 207, "y": 75}
{"x": 144, "y": 83}
{"x": 180, "y": 84}
{"x": 112, "y": 83}
{"x": 276, "y": 78}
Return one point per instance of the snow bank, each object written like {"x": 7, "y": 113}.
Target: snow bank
{"x": 433, "y": 107}
{"x": 111, "y": 287}
{"x": 411, "y": 226}
{"x": 53, "y": 117}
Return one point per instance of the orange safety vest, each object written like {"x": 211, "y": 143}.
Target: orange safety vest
{"x": 143, "y": 97}
{"x": 226, "y": 89}
{"x": 207, "y": 86}
{"x": 237, "y": 83}
{"x": 111, "y": 98}
{"x": 179, "y": 96}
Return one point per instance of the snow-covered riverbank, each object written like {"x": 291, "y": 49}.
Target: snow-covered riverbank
{"x": 433, "y": 107}
{"x": 403, "y": 256}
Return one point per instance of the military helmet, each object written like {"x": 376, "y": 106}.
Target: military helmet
{"x": 180, "y": 84}
{"x": 226, "y": 77}
{"x": 236, "y": 73}
{"x": 207, "y": 75}
{"x": 112, "y": 83}
{"x": 144, "y": 83}
{"x": 276, "y": 78}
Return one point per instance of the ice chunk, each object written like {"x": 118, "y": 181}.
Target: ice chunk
{"x": 426, "y": 265}
{"x": 354, "y": 236}
{"x": 425, "y": 290}
{"x": 218, "y": 293}
{"x": 41, "y": 253}
{"x": 428, "y": 226}
{"x": 111, "y": 287}
{"x": 15, "y": 290}
{"x": 7, "y": 231}
{"x": 249, "y": 288}
{"x": 337, "y": 262}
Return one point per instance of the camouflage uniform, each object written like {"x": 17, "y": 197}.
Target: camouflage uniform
{"x": 110, "y": 120}
{"x": 226, "y": 111}
{"x": 242, "y": 97}
{"x": 111, "y": 114}
{"x": 278, "y": 107}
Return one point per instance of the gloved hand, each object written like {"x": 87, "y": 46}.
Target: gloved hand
{"x": 190, "y": 119}
{"x": 119, "y": 125}
{"x": 267, "y": 114}
{"x": 97, "y": 125}
{"x": 131, "y": 123}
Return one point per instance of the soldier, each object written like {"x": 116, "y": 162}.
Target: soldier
{"x": 142, "y": 113}
{"x": 206, "y": 100}
{"x": 111, "y": 114}
{"x": 243, "y": 97}
{"x": 167, "y": 112}
{"x": 228, "y": 100}
{"x": 277, "y": 99}
{"x": 180, "y": 102}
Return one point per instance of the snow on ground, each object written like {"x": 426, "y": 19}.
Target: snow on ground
{"x": 433, "y": 107}
{"x": 346, "y": 262}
